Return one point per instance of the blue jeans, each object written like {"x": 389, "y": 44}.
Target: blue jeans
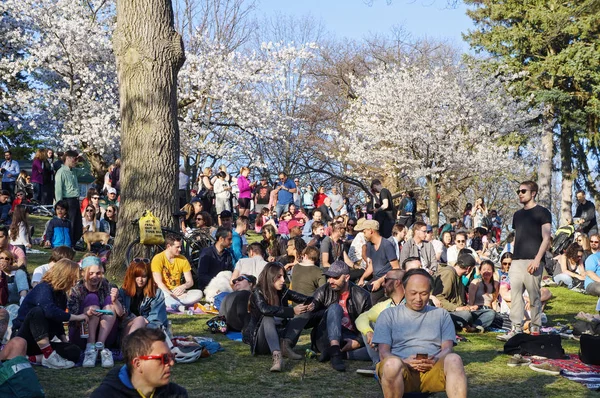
{"x": 564, "y": 278}
{"x": 18, "y": 285}
{"x": 280, "y": 209}
{"x": 482, "y": 317}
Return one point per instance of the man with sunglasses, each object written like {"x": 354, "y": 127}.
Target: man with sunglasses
{"x": 394, "y": 291}
{"x": 251, "y": 265}
{"x": 532, "y": 225}
{"x": 147, "y": 369}
{"x": 234, "y": 306}
{"x": 595, "y": 243}
{"x": 460, "y": 243}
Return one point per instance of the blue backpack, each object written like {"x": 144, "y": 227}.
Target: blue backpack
{"x": 409, "y": 207}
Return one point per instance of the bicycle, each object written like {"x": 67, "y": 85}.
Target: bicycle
{"x": 191, "y": 244}
{"x": 38, "y": 209}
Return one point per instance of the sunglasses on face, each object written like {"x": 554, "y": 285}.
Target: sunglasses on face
{"x": 199, "y": 219}
{"x": 141, "y": 260}
{"x": 4, "y": 258}
{"x": 241, "y": 278}
{"x": 109, "y": 211}
{"x": 522, "y": 191}
{"x": 594, "y": 241}
{"x": 90, "y": 211}
{"x": 165, "y": 359}
{"x": 461, "y": 241}
{"x": 506, "y": 262}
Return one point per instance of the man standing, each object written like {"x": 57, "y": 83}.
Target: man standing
{"x": 216, "y": 258}
{"x": 167, "y": 269}
{"x": 586, "y": 212}
{"x": 66, "y": 187}
{"x": 184, "y": 182}
{"x": 415, "y": 344}
{"x": 337, "y": 201}
{"x": 10, "y": 171}
{"x": 384, "y": 209}
{"x": 147, "y": 369}
{"x": 417, "y": 246}
{"x": 407, "y": 209}
{"x": 532, "y": 225}
{"x": 381, "y": 258}
{"x": 285, "y": 193}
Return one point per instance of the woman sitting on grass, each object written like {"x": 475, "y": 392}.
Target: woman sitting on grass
{"x": 42, "y": 314}
{"x": 90, "y": 294}
{"x": 483, "y": 292}
{"x": 269, "y": 312}
{"x": 143, "y": 303}
{"x": 572, "y": 268}
{"x": 19, "y": 229}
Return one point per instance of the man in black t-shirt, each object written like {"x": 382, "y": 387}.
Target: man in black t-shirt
{"x": 532, "y": 237}
{"x": 384, "y": 209}
{"x": 262, "y": 195}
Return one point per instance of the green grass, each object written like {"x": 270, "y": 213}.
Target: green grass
{"x": 234, "y": 372}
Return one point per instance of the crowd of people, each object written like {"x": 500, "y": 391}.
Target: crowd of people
{"x": 374, "y": 284}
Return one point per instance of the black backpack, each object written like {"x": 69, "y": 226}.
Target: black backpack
{"x": 545, "y": 345}
{"x": 589, "y": 349}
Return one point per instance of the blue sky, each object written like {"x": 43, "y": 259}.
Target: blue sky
{"x": 356, "y": 19}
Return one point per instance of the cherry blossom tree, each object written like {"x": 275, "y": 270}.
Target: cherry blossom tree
{"x": 432, "y": 124}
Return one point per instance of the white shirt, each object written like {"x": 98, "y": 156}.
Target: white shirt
{"x": 39, "y": 273}
{"x": 355, "y": 251}
{"x": 219, "y": 188}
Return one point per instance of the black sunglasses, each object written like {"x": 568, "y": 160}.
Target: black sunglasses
{"x": 522, "y": 191}
{"x": 241, "y": 278}
{"x": 507, "y": 263}
{"x": 141, "y": 260}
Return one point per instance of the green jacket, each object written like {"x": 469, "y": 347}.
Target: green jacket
{"x": 66, "y": 185}
{"x": 448, "y": 288}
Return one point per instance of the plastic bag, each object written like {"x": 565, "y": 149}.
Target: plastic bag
{"x": 150, "y": 232}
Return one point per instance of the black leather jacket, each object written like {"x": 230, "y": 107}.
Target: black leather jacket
{"x": 358, "y": 302}
{"x": 259, "y": 308}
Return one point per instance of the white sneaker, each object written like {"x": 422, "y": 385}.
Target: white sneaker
{"x": 55, "y": 361}
{"x": 89, "y": 360}
{"x": 106, "y": 358}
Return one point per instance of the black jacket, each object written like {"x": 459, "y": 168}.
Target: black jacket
{"x": 358, "y": 302}
{"x": 326, "y": 217}
{"x": 259, "y": 308}
{"x": 117, "y": 384}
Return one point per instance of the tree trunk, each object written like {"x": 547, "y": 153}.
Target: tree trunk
{"x": 566, "y": 168}
{"x": 433, "y": 205}
{"x": 546, "y": 155}
{"x": 149, "y": 54}
{"x": 98, "y": 165}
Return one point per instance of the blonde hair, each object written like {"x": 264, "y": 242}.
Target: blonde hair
{"x": 244, "y": 169}
{"x": 63, "y": 275}
{"x": 207, "y": 171}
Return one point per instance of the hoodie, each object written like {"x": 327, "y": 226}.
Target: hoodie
{"x": 118, "y": 384}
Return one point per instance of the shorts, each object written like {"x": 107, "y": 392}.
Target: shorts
{"x": 244, "y": 203}
{"x": 432, "y": 381}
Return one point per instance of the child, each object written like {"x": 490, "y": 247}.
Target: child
{"x": 283, "y": 228}
{"x": 58, "y": 232}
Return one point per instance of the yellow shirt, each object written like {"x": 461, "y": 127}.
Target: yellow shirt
{"x": 364, "y": 320}
{"x": 171, "y": 272}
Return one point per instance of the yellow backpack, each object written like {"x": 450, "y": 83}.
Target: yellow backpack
{"x": 150, "y": 232}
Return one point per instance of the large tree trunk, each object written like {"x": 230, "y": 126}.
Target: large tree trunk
{"x": 547, "y": 152}
{"x": 566, "y": 167}
{"x": 149, "y": 54}
{"x": 434, "y": 218}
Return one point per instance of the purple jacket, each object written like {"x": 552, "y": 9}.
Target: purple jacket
{"x": 244, "y": 187}
{"x": 37, "y": 171}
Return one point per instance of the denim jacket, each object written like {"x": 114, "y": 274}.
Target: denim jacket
{"x": 151, "y": 308}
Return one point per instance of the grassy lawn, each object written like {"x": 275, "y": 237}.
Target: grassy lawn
{"x": 233, "y": 372}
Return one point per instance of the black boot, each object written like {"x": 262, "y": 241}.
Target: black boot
{"x": 325, "y": 355}
{"x": 336, "y": 359}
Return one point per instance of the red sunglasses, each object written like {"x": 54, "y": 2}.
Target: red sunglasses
{"x": 165, "y": 359}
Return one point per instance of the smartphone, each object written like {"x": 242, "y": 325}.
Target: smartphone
{"x": 308, "y": 301}
{"x": 105, "y": 312}
{"x": 422, "y": 356}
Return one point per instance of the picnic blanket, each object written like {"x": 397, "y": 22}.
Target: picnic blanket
{"x": 573, "y": 369}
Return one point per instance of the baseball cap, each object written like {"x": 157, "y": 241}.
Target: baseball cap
{"x": 111, "y": 190}
{"x": 366, "y": 224}
{"x": 293, "y": 224}
{"x": 429, "y": 229}
{"x": 337, "y": 269}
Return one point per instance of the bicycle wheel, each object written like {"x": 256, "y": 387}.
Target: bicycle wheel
{"x": 138, "y": 250}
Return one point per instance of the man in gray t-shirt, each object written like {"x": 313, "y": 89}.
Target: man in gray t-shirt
{"x": 415, "y": 344}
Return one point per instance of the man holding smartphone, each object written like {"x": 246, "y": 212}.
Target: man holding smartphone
{"x": 415, "y": 343}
